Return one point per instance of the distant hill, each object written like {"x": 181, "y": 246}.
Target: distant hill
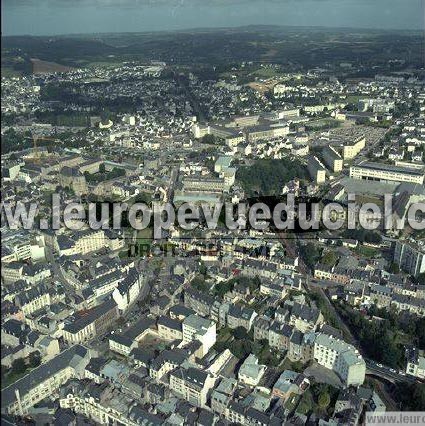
{"x": 305, "y": 47}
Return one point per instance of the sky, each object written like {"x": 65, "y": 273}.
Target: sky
{"x": 59, "y": 17}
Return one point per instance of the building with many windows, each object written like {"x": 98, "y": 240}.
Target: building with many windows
{"x": 340, "y": 357}
{"x": 386, "y": 173}
{"x": 92, "y": 323}
{"x": 316, "y": 169}
{"x": 415, "y": 363}
{"x": 198, "y": 328}
{"x": 192, "y": 384}
{"x": 44, "y": 380}
{"x": 410, "y": 257}
{"x": 332, "y": 159}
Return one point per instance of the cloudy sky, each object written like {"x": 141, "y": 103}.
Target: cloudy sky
{"x": 50, "y": 17}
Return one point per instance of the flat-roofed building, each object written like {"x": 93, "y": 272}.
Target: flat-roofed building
{"x": 340, "y": 357}
{"x": 316, "y": 169}
{"x": 203, "y": 184}
{"x": 202, "y": 329}
{"x": 410, "y": 257}
{"x": 350, "y": 149}
{"x": 266, "y": 132}
{"x": 332, "y": 159}
{"x": 386, "y": 173}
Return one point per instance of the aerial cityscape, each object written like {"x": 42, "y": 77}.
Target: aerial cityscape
{"x": 212, "y": 224}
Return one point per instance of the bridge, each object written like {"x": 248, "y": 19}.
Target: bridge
{"x": 384, "y": 372}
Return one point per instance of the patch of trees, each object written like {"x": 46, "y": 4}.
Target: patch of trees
{"x": 222, "y": 288}
{"x": 209, "y": 140}
{"x": 411, "y": 397}
{"x": 268, "y": 176}
{"x": 13, "y": 141}
{"x": 311, "y": 254}
{"x": 377, "y": 338}
{"x": 405, "y": 322}
{"x": 421, "y": 279}
{"x": 76, "y": 119}
{"x": 200, "y": 284}
{"x": 363, "y": 236}
{"x": 116, "y": 172}
{"x": 329, "y": 258}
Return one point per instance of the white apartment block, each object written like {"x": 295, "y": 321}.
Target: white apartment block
{"x": 410, "y": 257}
{"x": 416, "y": 368}
{"x": 317, "y": 170}
{"x": 198, "y": 328}
{"x": 351, "y": 150}
{"x": 340, "y": 357}
{"x": 251, "y": 371}
{"x": 36, "y": 304}
{"x": 128, "y": 289}
{"x": 332, "y": 159}
{"x": 90, "y": 241}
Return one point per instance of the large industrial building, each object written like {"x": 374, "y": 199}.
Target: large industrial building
{"x": 386, "y": 173}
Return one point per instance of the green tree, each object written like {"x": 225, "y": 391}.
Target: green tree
{"x": 240, "y": 333}
{"x": 241, "y": 348}
{"x": 268, "y": 176}
{"x": 394, "y": 268}
{"x": 311, "y": 254}
{"x": 324, "y": 400}
{"x": 209, "y": 139}
{"x": 203, "y": 269}
{"x": 223, "y": 287}
{"x": 34, "y": 359}
{"x": 199, "y": 283}
{"x": 19, "y": 366}
{"x": 421, "y": 279}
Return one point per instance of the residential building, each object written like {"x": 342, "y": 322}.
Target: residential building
{"x": 250, "y": 371}
{"x": 415, "y": 363}
{"x": 192, "y": 384}
{"x": 198, "y": 328}
{"x": 316, "y": 169}
{"x": 43, "y": 381}
{"x": 89, "y": 324}
{"x": 410, "y": 256}
{"x": 341, "y": 357}
{"x": 332, "y": 159}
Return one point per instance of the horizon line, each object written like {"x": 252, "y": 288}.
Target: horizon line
{"x": 214, "y": 28}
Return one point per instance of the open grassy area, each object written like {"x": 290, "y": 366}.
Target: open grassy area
{"x": 267, "y": 72}
{"x": 292, "y": 402}
{"x": 224, "y": 335}
{"x": 290, "y": 365}
{"x": 144, "y": 236}
{"x": 367, "y": 251}
{"x": 324, "y": 123}
{"x": 354, "y": 99}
